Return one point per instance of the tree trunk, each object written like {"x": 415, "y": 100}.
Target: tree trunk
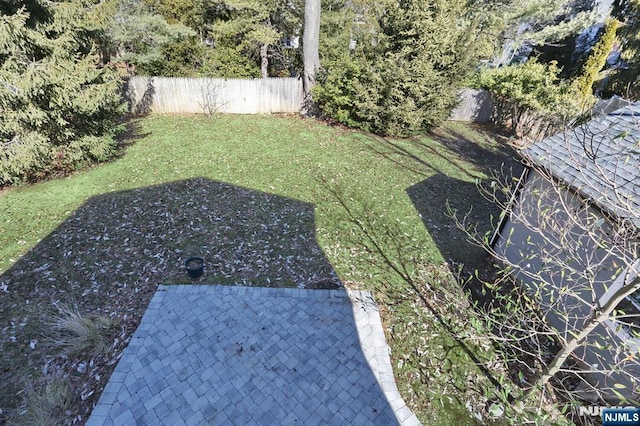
{"x": 310, "y": 43}
{"x": 598, "y": 317}
{"x": 264, "y": 65}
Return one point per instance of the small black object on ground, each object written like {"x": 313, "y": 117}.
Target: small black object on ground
{"x": 195, "y": 266}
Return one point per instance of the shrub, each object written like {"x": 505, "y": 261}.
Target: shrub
{"x": 177, "y": 59}
{"x": 388, "y": 96}
{"x": 47, "y": 401}
{"x": 407, "y": 81}
{"x": 342, "y": 91}
{"x": 531, "y": 98}
{"x": 77, "y": 333}
{"x": 228, "y": 62}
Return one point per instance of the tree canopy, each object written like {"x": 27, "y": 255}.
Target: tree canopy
{"x": 59, "y": 110}
{"x": 403, "y": 77}
{"x": 147, "y": 40}
{"x": 244, "y": 29}
{"x": 626, "y": 78}
{"x": 539, "y": 22}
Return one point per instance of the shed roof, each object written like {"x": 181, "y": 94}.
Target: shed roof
{"x": 599, "y": 159}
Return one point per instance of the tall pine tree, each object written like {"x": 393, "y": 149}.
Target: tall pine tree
{"x": 59, "y": 110}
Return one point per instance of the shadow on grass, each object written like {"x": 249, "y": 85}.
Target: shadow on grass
{"x": 476, "y": 149}
{"x": 109, "y": 255}
{"x": 130, "y": 135}
{"x": 440, "y": 194}
{"x": 432, "y": 199}
{"x": 425, "y": 301}
{"x": 471, "y": 155}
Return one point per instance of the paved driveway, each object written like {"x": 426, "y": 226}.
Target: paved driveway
{"x": 208, "y": 354}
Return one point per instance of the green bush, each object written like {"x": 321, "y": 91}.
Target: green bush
{"x": 407, "y": 81}
{"x": 25, "y": 158}
{"x": 340, "y": 90}
{"x": 531, "y": 98}
{"x": 228, "y": 62}
{"x": 388, "y": 96}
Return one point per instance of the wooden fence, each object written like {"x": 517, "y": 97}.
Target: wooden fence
{"x": 209, "y": 96}
{"x": 257, "y": 96}
{"x": 475, "y": 106}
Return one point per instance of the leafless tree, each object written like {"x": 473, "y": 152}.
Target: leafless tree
{"x": 565, "y": 311}
{"x": 212, "y": 96}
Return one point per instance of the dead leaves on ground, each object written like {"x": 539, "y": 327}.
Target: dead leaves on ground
{"x": 108, "y": 257}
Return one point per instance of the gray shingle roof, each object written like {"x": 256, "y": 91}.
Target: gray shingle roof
{"x": 600, "y": 160}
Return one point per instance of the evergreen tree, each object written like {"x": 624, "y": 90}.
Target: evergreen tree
{"x": 403, "y": 79}
{"x": 243, "y": 31}
{"x": 538, "y": 22}
{"x": 59, "y": 110}
{"x": 597, "y": 59}
{"x": 187, "y": 12}
{"x": 626, "y": 80}
{"x": 195, "y": 14}
{"x": 153, "y": 45}
{"x": 238, "y": 39}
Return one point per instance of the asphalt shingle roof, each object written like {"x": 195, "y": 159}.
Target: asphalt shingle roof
{"x": 600, "y": 160}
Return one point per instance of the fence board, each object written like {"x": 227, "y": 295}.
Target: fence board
{"x": 205, "y": 95}
{"x": 475, "y": 106}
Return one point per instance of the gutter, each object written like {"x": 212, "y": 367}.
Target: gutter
{"x": 512, "y": 201}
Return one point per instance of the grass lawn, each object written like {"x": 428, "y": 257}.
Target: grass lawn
{"x": 266, "y": 200}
